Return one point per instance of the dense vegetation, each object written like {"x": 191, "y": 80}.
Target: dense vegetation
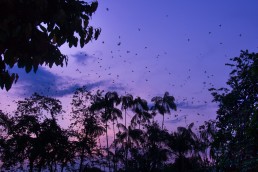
{"x": 32, "y": 31}
{"x": 31, "y": 138}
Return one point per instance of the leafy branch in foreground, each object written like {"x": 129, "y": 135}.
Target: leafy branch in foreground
{"x": 32, "y": 31}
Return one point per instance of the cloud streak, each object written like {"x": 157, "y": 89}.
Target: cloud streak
{"x": 81, "y": 57}
{"x": 47, "y": 83}
{"x": 177, "y": 120}
{"x": 186, "y": 105}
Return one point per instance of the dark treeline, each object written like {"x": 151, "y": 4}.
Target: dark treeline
{"x": 32, "y": 139}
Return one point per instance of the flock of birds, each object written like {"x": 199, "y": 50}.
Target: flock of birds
{"x": 117, "y": 69}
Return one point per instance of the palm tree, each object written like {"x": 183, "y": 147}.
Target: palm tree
{"x": 128, "y": 137}
{"x": 107, "y": 107}
{"x": 207, "y": 134}
{"x": 127, "y": 102}
{"x": 164, "y": 104}
{"x": 140, "y": 107}
{"x": 156, "y": 151}
{"x": 182, "y": 143}
{"x": 86, "y": 126}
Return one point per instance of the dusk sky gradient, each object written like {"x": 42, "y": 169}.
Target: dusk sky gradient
{"x": 149, "y": 47}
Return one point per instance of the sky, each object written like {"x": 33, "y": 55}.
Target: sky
{"x": 149, "y": 47}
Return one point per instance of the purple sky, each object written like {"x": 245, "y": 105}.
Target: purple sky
{"x": 149, "y": 47}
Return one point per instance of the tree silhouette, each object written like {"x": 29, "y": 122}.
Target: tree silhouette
{"x": 236, "y": 139}
{"x": 164, "y": 104}
{"x": 31, "y": 138}
{"x": 34, "y": 136}
{"x": 106, "y": 106}
{"x": 182, "y": 143}
{"x": 53, "y": 145}
{"x": 157, "y": 151}
{"x": 86, "y": 125}
{"x": 128, "y": 138}
{"x": 31, "y": 33}
{"x": 140, "y": 108}
{"x": 127, "y": 102}
{"x": 206, "y": 144}
{"x": 40, "y": 106}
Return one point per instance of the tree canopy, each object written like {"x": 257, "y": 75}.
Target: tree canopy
{"x": 32, "y": 139}
{"x": 32, "y": 31}
{"x": 237, "y": 122}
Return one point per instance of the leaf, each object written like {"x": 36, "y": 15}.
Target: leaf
{"x": 8, "y": 83}
{"x": 43, "y": 28}
{"x": 94, "y": 6}
{"x": 97, "y": 33}
{"x": 28, "y": 67}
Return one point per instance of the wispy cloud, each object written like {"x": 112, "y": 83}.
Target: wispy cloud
{"x": 81, "y": 57}
{"x": 186, "y": 105}
{"x": 177, "y": 120}
{"x": 117, "y": 87}
{"x": 47, "y": 83}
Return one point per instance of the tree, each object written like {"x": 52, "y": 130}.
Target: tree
{"x": 32, "y": 31}
{"x": 86, "y": 125}
{"x": 207, "y": 133}
{"x": 53, "y": 146}
{"x": 236, "y": 139}
{"x": 34, "y": 136}
{"x": 42, "y": 107}
{"x": 128, "y": 138}
{"x": 182, "y": 143}
{"x": 107, "y": 107}
{"x": 140, "y": 108}
{"x": 156, "y": 149}
{"x": 164, "y": 104}
{"x": 127, "y": 102}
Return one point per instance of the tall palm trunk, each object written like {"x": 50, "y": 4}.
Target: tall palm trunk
{"x": 125, "y": 118}
{"x": 108, "y": 148}
{"x": 82, "y": 155}
{"x": 163, "y": 121}
{"x": 81, "y": 160}
{"x": 114, "y": 158}
{"x": 163, "y": 116}
{"x": 62, "y": 167}
{"x": 114, "y": 131}
{"x": 31, "y": 166}
{"x": 126, "y": 145}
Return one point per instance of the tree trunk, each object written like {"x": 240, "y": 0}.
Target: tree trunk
{"x": 114, "y": 130}
{"x": 31, "y": 166}
{"x": 81, "y": 160}
{"x": 40, "y": 166}
{"x": 62, "y": 167}
{"x": 163, "y": 121}
{"x": 181, "y": 163}
{"x": 126, "y": 145}
{"x": 55, "y": 166}
{"x": 114, "y": 158}
{"x": 51, "y": 167}
{"x": 108, "y": 148}
{"x": 125, "y": 118}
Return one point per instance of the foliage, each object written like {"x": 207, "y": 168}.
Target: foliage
{"x": 41, "y": 142}
{"x": 32, "y": 139}
{"x": 86, "y": 126}
{"x": 164, "y": 104}
{"x": 40, "y": 106}
{"x": 32, "y": 31}
{"x": 140, "y": 108}
{"x": 237, "y": 122}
